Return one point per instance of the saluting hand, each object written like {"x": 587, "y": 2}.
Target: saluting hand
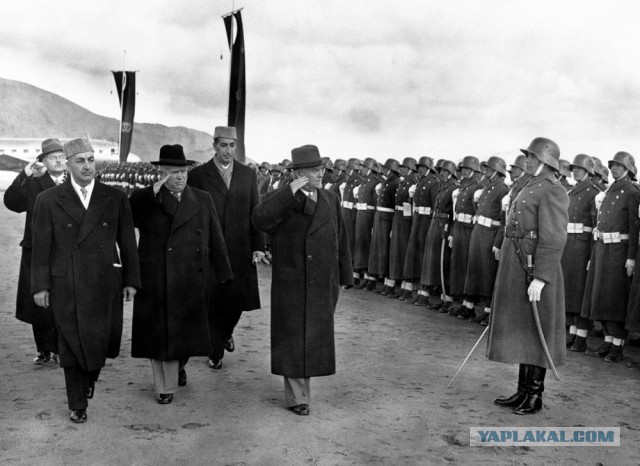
{"x": 298, "y": 183}
{"x": 41, "y": 298}
{"x": 156, "y": 187}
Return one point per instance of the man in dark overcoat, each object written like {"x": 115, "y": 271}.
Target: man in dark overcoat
{"x": 365, "y": 212}
{"x": 84, "y": 261}
{"x": 46, "y": 172}
{"x": 482, "y": 264}
{"x": 465, "y": 204}
{"x": 535, "y": 233}
{"x": 423, "y": 199}
{"x": 182, "y": 255}
{"x": 382, "y": 221}
{"x": 433, "y": 269}
{"x": 311, "y": 259}
{"x": 577, "y": 251}
{"x": 613, "y": 258}
{"x": 233, "y": 188}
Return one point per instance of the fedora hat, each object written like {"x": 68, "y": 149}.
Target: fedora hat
{"x": 305, "y": 157}
{"x": 173, "y": 155}
{"x": 49, "y": 146}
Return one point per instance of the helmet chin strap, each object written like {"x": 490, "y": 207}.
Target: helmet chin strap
{"x": 539, "y": 169}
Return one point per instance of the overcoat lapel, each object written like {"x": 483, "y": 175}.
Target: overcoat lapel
{"x": 216, "y": 179}
{"x": 323, "y": 212}
{"x": 187, "y": 208}
{"x": 70, "y": 202}
{"x": 97, "y": 205}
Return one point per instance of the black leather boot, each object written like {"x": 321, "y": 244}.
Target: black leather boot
{"x": 517, "y": 398}
{"x": 533, "y": 402}
{"x": 579, "y": 345}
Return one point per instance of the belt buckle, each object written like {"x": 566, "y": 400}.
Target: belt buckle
{"x": 606, "y": 238}
{"x": 467, "y": 218}
{"x": 615, "y": 237}
{"x": 579, "y": 227}
{"x": 571, "y": 228}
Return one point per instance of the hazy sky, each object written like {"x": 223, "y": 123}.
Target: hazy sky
{"x": 357, "y": 78}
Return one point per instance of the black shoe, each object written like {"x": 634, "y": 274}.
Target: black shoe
{"x": 455, "y": 311}
{"x": 42, "y": 357}
{"x": 467, "y": 313}
{"x": 88, "y": 392}
{"x": 517, "y": 398}
{"x": 78, "y": 416}
{"x": 615, "y": 355}
{"x": 533, "y": 402}
{"x": 531, "y": 405}
{"x": 601, "y": 351}
{"x": 215, "y": 363}
{"x": 361, "y": 285}
{"x": 406, "y": 295}
{"x": 165, "y": 398}
{"x": 386, "y": 290}
{"x": 229, "y": 345}
{"x": 446, "y": 307}
{"x": 300, "y": 410}
{"x": 182, "y": 378}
{"x": 579, "y": 345}
{"x": 571, "y": 338}
{"x": 395, "y": 294}
{"x": 435, "y": 306}
{"x": 421, "y": 301}
{"x": 356, "y": 282}
{"x": 371, "y": 285}
{"x": 634, "y": 365}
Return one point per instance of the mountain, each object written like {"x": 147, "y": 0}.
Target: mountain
{"x": 27, "y": 111}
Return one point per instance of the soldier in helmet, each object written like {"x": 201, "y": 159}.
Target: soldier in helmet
{"x": 382, "y": 221}
{"x": 482, "y": 264}
{"x": 465, "y": 203}
{"x": 339, "y": 177}
{"x": 276, "y": 177}
{"x": 434, "y": 271}
{"x": 425, "y": 195}
{"x": 564, "y": 173}
{"x": 264, "y": 180}
{"x": 365, "y": 212}
{"x": 613, "y": 258}
{"x": 349, "y": 203}
{"x": 530, "y": 271}
{"x": 601, "y": 178}
{"x": 582, "y": 219}
{"x": 328, "y": 172}
{"x": 401, "y": 229}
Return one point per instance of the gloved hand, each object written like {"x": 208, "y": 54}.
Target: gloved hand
{"x": 505, "y": 203}
{"x": 496, "y": 253}
{"x": 535, "y": 289}
{"x": 412, "y": 191}
{"x": 450, "y": 242}
{"x": 378, "y": 188}
{"x": 630, "y": 265}
{"x": 476, "y": 195}
{"x": 356, "y": 191}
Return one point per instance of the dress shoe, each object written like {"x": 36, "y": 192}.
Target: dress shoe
{"x": 579, "y": 345}
{"x": 88, "y": 392}
{"x": 165, "y": 398}
{"x": 300, "y": 410}
{"x": 601, "y": 351}
{"x": 78, "y": 416}
{"x": 215, "y": 363}
{"x": 182, "y": 378}
{"x": 421, "y": 301}
{"x": 42, "y": 357}
{"x": 396, "y": 294}
{"x": 229, "y": 345}
{"x": 615, "y": 355}
{"x": 386, "y": 290}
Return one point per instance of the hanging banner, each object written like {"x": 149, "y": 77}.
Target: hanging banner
{"x": 126, "y": 86}
{"x": 237, "y": 82}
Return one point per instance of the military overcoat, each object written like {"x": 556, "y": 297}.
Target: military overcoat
{"x": 365, "y": 212}
{"x": 382, "y": 221}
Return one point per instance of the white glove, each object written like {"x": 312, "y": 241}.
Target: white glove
{"x": 599, "y": 198}
{"x": 412, "y": 191}
{"x": 378, "y": 188}
{"x": 476, "y": 195}
{"x": 342, "y": 189}
{"x": 450, "y": 242}
{"x": 505, "y": 203}
{"x": 327, "y": 186}
{"x": 454, "y": 196}
{"x": 356, "y": 190}
{"x": 630, "y": 265}
{"x": 496, "y": 253}
{"x": 535, "y": 289}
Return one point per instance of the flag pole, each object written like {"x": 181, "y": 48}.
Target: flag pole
{"x": 124, "y": 83}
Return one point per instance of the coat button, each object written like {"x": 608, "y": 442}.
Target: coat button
{"x": 170, "y": 249}
{"x": 310, "y": 257}
{"x": 198, "y": 250}
{"x": 104, "y": 224}
{"x": 69, "y": 225}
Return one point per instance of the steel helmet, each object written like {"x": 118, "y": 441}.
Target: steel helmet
{"x": 564, "y": 167}
{"x": 605, "y": 175}
{"x": 545, "y": 150}
{"x": 277, "y": 168}
{"x": 583, "y": 161}
{"x": 597, "y": 166}
{"x": 410, "y": 163}
{"x": 265, "y": 165}
{"x": 286, "y": 163}
{"x": 626, "y": 160}
{"x": 519, "y": 162}
{"x": 472, "y": 163}
{"x": 450, "y": 167}
{"x": 328, "y": 164}
{"x": 497, "y": 164}
{"x": 425, "y": 162}
{"x": 354, "y": 164}
{"x": 439, "y": 163}
{"x": 340, "y": 164}
{"x": 371, "y": 164}
{"x": 393, "y": 165}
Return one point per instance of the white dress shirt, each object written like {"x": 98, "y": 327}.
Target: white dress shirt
{"x": 77, "y": 188}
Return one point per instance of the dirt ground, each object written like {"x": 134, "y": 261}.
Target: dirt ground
{"x": 388, "y": 403}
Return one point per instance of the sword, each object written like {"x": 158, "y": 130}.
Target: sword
{"x": 444, "y": 239}
{"x": 468, "y": 356}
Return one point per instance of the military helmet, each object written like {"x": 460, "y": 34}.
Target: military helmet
{"x": 425, "y": 162}
{"x": 472, "y": 163}
{"x": 583, "y": 161}
{"x": 450, "y": 167}
{"x": 371, "y": 164}
{"x": 410, "y": 163}
{"x": 605, "y": 174}
{"x": 597, "y": 167}
{"x": 393, "y": 165}
{"x": 327, "y": 163}
{"x": 277, "y": 168}
{"x": 545, "y": 150}
{"x": 626, "y": 160}
{"x": 439, "y": 163}
{"x": 519, "y": 162}
{"x": 563, "y": 166}
{"x": 340, "y": 164}
{"x": 497, "y": 164}
{"x": 354, "y": 164}
{"x": 266, "y": 165}
{"x": 286, "y": 163}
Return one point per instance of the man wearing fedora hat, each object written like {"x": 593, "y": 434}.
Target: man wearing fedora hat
{"x": 234, "y": 189}
{"x": 84, "y": 262}
{"x": 311, "y": 259}
{"x": 47, "y": 171}
{"x": 182, "y": 254}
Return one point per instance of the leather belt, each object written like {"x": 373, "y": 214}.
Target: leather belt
{"x": 364, "y": 206}
{"x": 577, "y": 228}
{"x": 516, "y": 232}
{"x": 487, "y": 222}
{"x": 464, "y": 218}
{"x": 439, "y": 215}
{"x": 611, "y": 237}
{"x": 347, "y": 204}
{"x": 399, "y": 208}
{"x": 422, "y": 210}
{"x": 384, "y": 209}
{"x": 406, "y": 209}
